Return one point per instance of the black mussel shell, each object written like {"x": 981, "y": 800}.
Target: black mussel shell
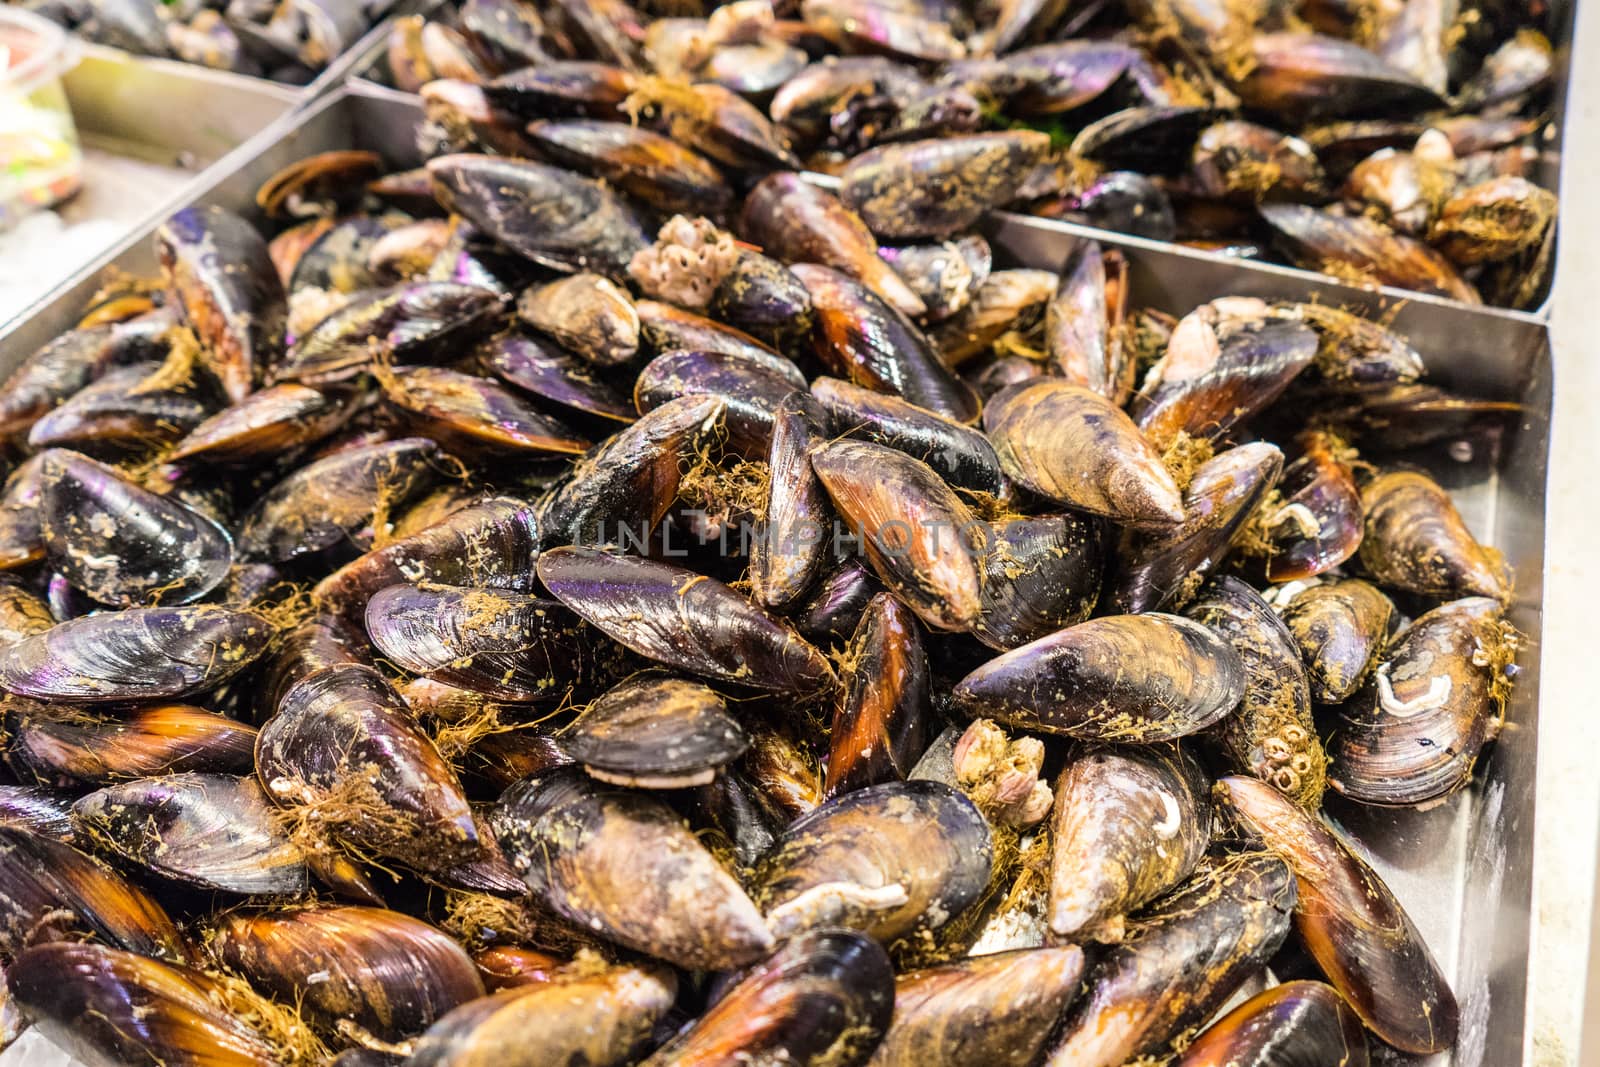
{"x": 960, "y": 454}
{"x": 792, "y": 545}
{"x": 750, "y": 386}
{"x": 937, "y": 188}
{"x": 550, "y": 374}
{"x": 72, "y": 361}
{"x": 163, "y": 739}
{"x": 655, "y": 733}
{"x": 1150, "y": 140}
{"x": 266, "y": 424}
{"x": 1040, "y": 574}
{"x": 403, "y": 324}
{"x": 1415, "y": 540}
{"x": 1341, "y": 629}
{"x": 1296, "y": 1024}
{"x": 120, "y": 412}
{"x": 880, "y": 720}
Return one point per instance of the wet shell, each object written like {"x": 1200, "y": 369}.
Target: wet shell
{"x": 1308, "y": 76}
{"x": 22, "y": 613}
{"x": 752, "y": 388}
{"x": 887, "y": 860}
{"x": 1075, "y": 447}
{"x": 903, "y": 33}
{"x": 599, "y": 1020}
{"x": 269, "y": 422}
{"x": 1341, "y": 629}
{"x": 41, "y": 811}
{"x": 1180, "y": 962}
{"x": 655, "y": 733}
{"x": 587, "y": 314}
{"x": 1272, "y": 736}
{"x": 960, "y": 454}
{"x": 121, "y": 412}
{"x": 790, "y": 549}
{"x": 1320, "y": 525}
{"x": 21, "y": 541}
{"x": 214, "y": 831}
{"x": 321, "y": 641}
{"x": 508, "y": 646}
{"x": 1297, "y": 1024}
{"x": 824, "y": 999}
{"x": 936, "y": 189}
{"x": 880, "y": 722}
{"x": 1040, "y": 574}
{"x": 1412, "y": 733}
{"x": 622, "y": 864}
{"x": 1144, "y": 678}
{"x": 1007, "y": 300}
{"x": 1416, "y": 541}
{"x": 995, "y": 1010}
{"x": 685, "y": 620}
{"x": 70, "y": 362}
{"x": 945, "y": 276}
{"x": 657, "y": 170}
{"x": 1366, "y": 250}
{"x": 1083, "y": 340}
{"x": 550, "y": 375}
{"x": 365, "y": 970}
{"x": 406, "y": 323}
{"x": 922, "y": 540}
{"x": 1129, "y": 824}
{"x": 477, "y": 415}
{"x": 151, "y": 741}
{"x": 833, "y": 608}
{"x": 1350, "y": 922}
{"x": 137, "y": 654}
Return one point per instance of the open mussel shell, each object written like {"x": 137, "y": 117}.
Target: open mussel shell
{"x": 880, "y": 722}
{"x": 619, "y": 491}
{"x": 921, "y": 539}
{"x": 121, "y": 412}
{"x": 1075, "y": 447}
{"x": 1272, "y": 736}
{"x": 1350, "y": 922}
{"x": 551, "y": 375}
{"x": 217, "y": 265}
{"x": 937, "y": 188}
{"x": 888, "y": 860}
{"x": 1129, "y": 825}
{"x": 655, "y": 733}
{"x": 1180, "y": 961}
{"x": 106, "y": 1008}
{"x": 1150, "y": 677}
{"x": 214, "y": 831}
{"x": 362, "y": 971}
{"x": 622, "y": 864}
{"x": 344, "y": 749}
{"x": 1411, "y": 734}
{"x": 1040, "y": 574}
{"x": 1155, "y": 570}
{"x": 72, "y": 361}
{"x": 268, "y": 423}
{"x": 1320, "y": 524}
{"x": 490, "y": 543}
{"x": 823, "y": 998}
{"x": 859, "y": 336}
{"x": 684, "y": 619}
{"x": 792, "y": 547}
{"x": 751, "y": 387}
{"x": 121, "y": 544}
{"x": 53, "y": 892}
{"x": 996, "y": 1010}
{"x": 151, "y": 741}
{"x": 137, "y": 654}
{"x": 331, "y": 500}
{"x": 602, "y": 1019}
{"x": 1297, "y": 1023}
{"x": 1341, "y": 629}
{"x": 505, "y": 645}
{"x": 1007, "y": 300}
{"x": 547, "y": 214}
{"x": 960, "y": 454}
{"x": 642, "y": 163}
{"x": 1416, "y": 541}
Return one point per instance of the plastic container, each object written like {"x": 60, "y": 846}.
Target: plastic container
{"x": 40, "y": 161}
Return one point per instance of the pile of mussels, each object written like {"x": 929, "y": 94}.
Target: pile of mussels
{"x": 1380, "y": 141}
{"x": 463, "y": 629}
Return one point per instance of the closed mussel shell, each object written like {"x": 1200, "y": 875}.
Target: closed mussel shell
{"x": 1296, "y": 1024}
{"x": 603, "y": 1019}
{"x": 406, "y": 323}
{"x": 1079, "y": 332}
{"x": 938, "y": 188}
{"x": 880, "y": 722}
{"x": 477, "y": 415}
{"x": 790, "y": 550}
{"x": 1150, "y": 677}
{"x": 21, "y": 541}
{"x": 136, "y": 654}
{"x": 1309, "y": 75}
{"x": 1272, "y": 736}
{"x": 505, "y": 645}
{"x": 1341, "y": 629}
{"x": 323, "y": 640}
{"x": 667, "y": 328}
{"x": 264, "y": 425}
{"x": 214, "y": 831}
{"x": 766, "y": 299}
{"x": 550, "y": 374}
{"x": 1416, "y": 541}
{"x": 151, "y": 741}
{"x": 1355, "y": 244}
{"x": 1129, "y": 825}
{"x": 960, "y": 454}
{"x": 620, "y": 863}
{"x": 1411, "y": 734}
{"x": 685, "y": 620}
{"x": 1180, "y": 961}
{"x": 1040, "y": 574}
{"x": 655, "y": 169}
{"x": 824, "y": 998}
{"x": 1350, "y": 922}
{"x": 830, "y": 613}
{"x": 73, "y": 360}
{"x": 587, "y": 314}
{"x": 34, "y": 808}
{"x": 1321, "y": 523}
{"x": 655, "y": 733}
{"x": 121, "y": 412}
{"x": 751, "y": 387}
{"x": 362, "y": 971}
{"x": 1151, "y": 140}
{"x": 887, "y": 860}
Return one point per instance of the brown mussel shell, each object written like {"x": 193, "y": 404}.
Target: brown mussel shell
{"x": 1350, "y": 922}
{"x": 122, "y": 411}
{"x": 936, "y": 189}
{"x": 21, "y": 541}
{"x": 823, "y": 999}
{"x": 214, "y": 831}
{"x": 751, "y": 387}
{"x": 1341, "y": 629}
{"x": 1129, "y": 825}
{"x": 22, "y": 612}
{"x": 1311, "y": 76}
{"x": 136, "y": 654}
{"x": 1296, "y": 1024}
{"x": 1320, "y": 525}
{"x": 684, "y": 619}
{"x": 1179, "y": 962}
{"x": 321, "y": 641}
{"x": 655, "y": 733}
{"x": 655, "y": 169}
{"x": 888, "y": 860}
{"x": 269, "y": 422}
{"x": 621, "y": 864}
{"x": 1272, "y": 736}
{"x": 1354, "y": 246}
{"x": 361, "y": 970}
{"x": 1416, "y": 541}
{"x": 1412, "y": 733}
{"x": 791, "y": 546}
{"x": 1082, "y": 324}
{"x": 960, "y": 454}
{"x": 1143, "y": 678}
{"x": 880, "y": 720}
{"x": 164, "y": 739}
{"x": 1075, "y": 447}
{"x": 587, "y": 314}
{"x": 477, "y": 415}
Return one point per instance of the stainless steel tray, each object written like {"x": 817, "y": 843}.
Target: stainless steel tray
{"x": 1463, "y": 870}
